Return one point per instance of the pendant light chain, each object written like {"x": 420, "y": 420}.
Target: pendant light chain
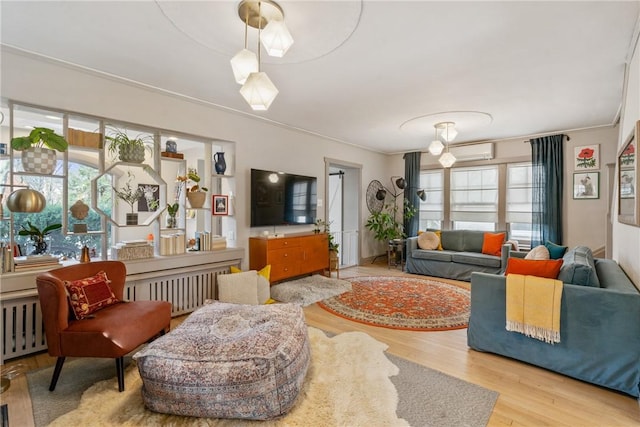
{"x": 259, "y": 34}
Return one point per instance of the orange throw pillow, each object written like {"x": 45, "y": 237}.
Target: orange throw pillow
{"x": 530, "y": 267}
{"x": 492, "y": 243}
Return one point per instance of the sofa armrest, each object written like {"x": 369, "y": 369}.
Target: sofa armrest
{"x": 412, "y": 245}
{"x": 504, "y": 256}
{"x": 599, "y": 333}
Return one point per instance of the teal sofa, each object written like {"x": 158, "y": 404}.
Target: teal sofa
{"x": 599, "y": 324}
{"x": 461, "y": 256}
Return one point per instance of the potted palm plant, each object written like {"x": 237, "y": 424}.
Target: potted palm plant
{"x": 130, "y": 150}
{"x": 39, "y": 150}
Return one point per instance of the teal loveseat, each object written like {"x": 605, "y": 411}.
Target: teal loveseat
{"x": 599, "y": 324}
{"x": 461, "y": 255}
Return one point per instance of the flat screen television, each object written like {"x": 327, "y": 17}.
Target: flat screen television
{"x": 282, "y": 198}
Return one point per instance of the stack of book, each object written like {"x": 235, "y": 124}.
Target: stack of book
{"x": 207, "y": 242}
{"x": 173, "y": 244}
{"x": 35, "y": 261}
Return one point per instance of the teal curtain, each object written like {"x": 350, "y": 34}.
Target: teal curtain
{"x": 547, "y": 155}
{"x": 412, "y": 178}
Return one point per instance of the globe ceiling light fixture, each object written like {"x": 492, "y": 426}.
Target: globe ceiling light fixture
{"x": 448, "y": 133}
{"x": 267, "y": 16}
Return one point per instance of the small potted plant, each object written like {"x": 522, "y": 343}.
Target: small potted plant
{"x": 196, "y": 194}
{"x": 39, "y": 150}
{"x": 172, "y": 211}
{"x": 37, "y": 236}
{"x": 129, "y": 195}
{"x": 130, "y": 150}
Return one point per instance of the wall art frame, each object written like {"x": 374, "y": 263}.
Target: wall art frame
{"x": 220, "y": 205}
{"x": 586, "y": 185}
{"x": 628, "y": 200}
{"x": 586, "y": 157}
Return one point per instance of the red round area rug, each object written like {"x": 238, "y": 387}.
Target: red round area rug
{"x": 403, "y": 303}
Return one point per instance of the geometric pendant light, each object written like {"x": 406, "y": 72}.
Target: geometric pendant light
{"x": 448, "y": 132}
{"x": 267, "y": 16}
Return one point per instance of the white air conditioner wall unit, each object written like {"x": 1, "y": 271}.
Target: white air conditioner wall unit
{"x": 466, "y": 153}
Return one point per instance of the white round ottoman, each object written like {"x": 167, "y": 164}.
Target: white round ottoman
{"x": 228, "y": 361}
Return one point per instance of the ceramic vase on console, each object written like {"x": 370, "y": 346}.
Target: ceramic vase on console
{"x": 220, "y": 164}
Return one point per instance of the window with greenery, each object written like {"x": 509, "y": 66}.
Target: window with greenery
{"x": 79, "y": 188}
{"x": 431, "y": 212}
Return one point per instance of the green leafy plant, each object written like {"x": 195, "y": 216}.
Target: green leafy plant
{"x": 40, "y": 137}
{"x": 119, "y": 139}
{"x": 385, "y": 224}
{"x": 322, "y": 224}
{"x": 127, "y": 193}
{"x": 37, "y": 236}
{"x": 193, "y": 176}
{"x": 172, "y": 210}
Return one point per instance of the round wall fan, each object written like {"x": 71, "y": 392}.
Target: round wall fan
{"x": 374, "y": 203}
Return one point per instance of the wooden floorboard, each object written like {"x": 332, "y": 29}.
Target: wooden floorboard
{"x": 529, "y": 396}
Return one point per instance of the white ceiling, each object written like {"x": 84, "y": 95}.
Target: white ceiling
{"x": 359, "y": 70}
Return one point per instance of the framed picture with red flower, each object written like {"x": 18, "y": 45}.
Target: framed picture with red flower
{"x": 587, "y": 157}
{"x": 586, "y": 185}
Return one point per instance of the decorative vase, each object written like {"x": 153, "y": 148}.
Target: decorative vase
{"x": 172, "y": 221}
{"x": 132, "y": 219}
{"x": 196, "y": 198}
{"x": 39, "y": 246}
{"x": 131, "y": 153}
{"x": 39, "y": 160}
{"x": 171, "y": 146}
{"x": 220, "y": 164}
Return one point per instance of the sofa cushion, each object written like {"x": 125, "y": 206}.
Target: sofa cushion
{"x": 453, "y": 240}
{"x": 539, "y": 252}
{"x": 443, "y": 255}
{"x": 473, "y": 240}
{"x": 474, "y": 258}
{"x": 555, "y": 251}
{"x": 88, "y": 295}
{"x": 530, "y": 267}
{"x": 579, "y": 268}
{"x": 239, "y": 288}
{"x": 428, "y": 240}
{"x": 492, "y": 243}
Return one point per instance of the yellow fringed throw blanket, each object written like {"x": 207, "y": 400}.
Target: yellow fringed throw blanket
{"x": 533, "y": 307}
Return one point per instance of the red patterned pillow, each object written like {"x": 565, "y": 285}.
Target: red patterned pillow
{"x": 90, "y": 294}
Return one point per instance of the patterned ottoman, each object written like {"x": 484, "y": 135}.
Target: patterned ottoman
{"x": 228, "y": 361}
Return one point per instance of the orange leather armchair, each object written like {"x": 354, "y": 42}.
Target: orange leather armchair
{"x": 111, "y": 332}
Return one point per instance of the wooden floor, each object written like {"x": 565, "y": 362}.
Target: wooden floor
{"x": 529, "y": 396}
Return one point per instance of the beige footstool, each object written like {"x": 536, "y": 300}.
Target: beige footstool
{"x": 228, "y": 361}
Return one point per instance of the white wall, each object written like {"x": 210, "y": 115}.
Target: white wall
{"x": 626, "y": 238}
{"x": 258, "y": 144}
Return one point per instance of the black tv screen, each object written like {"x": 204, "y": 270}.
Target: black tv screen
{"x": 282, "y": 199}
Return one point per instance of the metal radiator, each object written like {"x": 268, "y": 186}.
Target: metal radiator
{"x": 22, "y": 329}
{"x": 186, "y": 291}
